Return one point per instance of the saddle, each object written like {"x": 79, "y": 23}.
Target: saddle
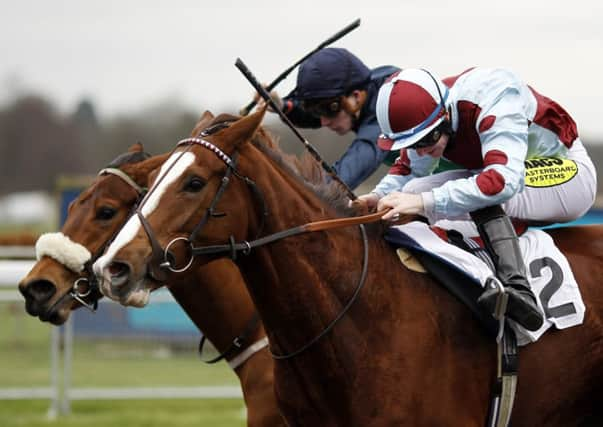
{"x": 451, "y": 277}
{"x": 463, "y": 267}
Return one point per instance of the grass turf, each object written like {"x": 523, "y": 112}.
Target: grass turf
{"x": 131, "y": 413}
{"x": 24, "y": 362}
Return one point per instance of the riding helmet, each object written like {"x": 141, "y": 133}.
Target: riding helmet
{"x": 329, "y": 73}
{"x": 410, "y": 104}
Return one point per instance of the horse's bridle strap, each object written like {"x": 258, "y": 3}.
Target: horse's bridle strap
{"x": 328, "y": 224}
{"x": 237, "y": 344}
{"x": 249, "y": 351}
{"x": 123, "y": 176}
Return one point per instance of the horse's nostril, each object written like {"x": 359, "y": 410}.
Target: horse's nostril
{"x": 40, "y": 290}
{"x": 118, "y": 269}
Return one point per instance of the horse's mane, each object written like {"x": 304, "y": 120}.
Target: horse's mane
{"x": 307, "y": 170}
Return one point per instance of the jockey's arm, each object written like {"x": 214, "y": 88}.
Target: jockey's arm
{"x": 504, "y": 150}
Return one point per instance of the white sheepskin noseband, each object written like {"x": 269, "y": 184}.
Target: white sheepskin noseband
{"x": 61, "y": 248}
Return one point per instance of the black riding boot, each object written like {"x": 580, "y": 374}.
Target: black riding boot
{"x": 499, "y": 237}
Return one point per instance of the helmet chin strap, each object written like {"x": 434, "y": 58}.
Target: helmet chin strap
{"x": 354, "y": 108}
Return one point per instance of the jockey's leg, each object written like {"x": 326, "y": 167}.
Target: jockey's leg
{"x": 499, "y": 237}
{"x": 562, "y": 202}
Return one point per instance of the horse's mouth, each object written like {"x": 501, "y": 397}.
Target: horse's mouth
{"x": 54, "y": 317}
{"x": 119, "y": 286}
{"x": 136, "y": 295}
{"x": 55, "y": 314}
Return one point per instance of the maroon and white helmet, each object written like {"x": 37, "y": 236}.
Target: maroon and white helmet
{"x": 410, "y": 104}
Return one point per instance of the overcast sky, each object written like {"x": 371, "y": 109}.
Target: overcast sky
{"x": 128, "y": 54}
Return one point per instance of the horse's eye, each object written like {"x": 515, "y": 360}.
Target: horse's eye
{"x": 105, "y": 213}
{"x": 194, "y": 185}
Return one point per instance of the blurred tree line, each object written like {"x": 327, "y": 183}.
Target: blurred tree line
{"x": 37, "y": 143}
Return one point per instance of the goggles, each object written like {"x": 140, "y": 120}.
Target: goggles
{"x": 323, "y": 108}
{"x": 428, "y": 140}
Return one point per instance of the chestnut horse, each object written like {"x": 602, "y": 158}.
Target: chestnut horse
{"x": 405, "y": 352}
{"x": 215, "y": 298}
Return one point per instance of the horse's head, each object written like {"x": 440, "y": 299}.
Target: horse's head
{"x": 61, "y": 280}
{"x": 197, "y": 193}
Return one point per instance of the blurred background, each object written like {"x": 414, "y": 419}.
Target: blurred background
{"x": 82, "y": 81}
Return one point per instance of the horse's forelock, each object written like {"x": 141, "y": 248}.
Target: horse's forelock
{"x": 140, "y": 171}
{"x": 129, "y": 157}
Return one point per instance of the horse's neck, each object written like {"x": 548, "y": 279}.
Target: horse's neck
{"x": 223, "y": 314}
{"x": 288, "y": 200}
{"x": 309, "y": 276}
{"x": 215, "y": 298}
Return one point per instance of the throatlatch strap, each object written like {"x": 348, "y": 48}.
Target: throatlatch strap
{"x": 237, "y": 344}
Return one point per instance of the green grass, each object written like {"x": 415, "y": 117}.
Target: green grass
{"x": 143, "y": 366}
{"x": 24, "y": 348}
{"x": 130, "y": 413}
{"x": 24, "y": 362}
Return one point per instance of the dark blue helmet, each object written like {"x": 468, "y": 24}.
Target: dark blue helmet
{"x": 329, "y": 73}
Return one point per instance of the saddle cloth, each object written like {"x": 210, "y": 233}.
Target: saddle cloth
{"x": 549, "y": 272}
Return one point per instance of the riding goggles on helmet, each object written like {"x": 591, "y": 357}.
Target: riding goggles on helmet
{"x": 329, "y": 107}
{"x": 428, "y": 140}
{"x": 431, "y": 138}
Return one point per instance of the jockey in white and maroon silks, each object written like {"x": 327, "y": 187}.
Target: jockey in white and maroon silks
{"x": 489, "y": 122}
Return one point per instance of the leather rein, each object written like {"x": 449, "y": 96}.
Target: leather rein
{"x": 161, "y": 259}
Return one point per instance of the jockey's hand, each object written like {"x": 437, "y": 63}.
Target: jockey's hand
{"x": 400, "y": 204}
{"x": 273, "y": 95}
{"x": 367, "y": 202}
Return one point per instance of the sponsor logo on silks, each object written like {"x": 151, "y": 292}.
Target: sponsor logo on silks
{"x": 549, "y": 171}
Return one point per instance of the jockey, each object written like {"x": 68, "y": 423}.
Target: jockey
{"x": 491, "y": 123}
{"x": 335, "y": 89}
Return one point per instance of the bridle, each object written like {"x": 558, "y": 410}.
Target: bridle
{"x": 86, "y": 289}
{"x": 161, "y": 259}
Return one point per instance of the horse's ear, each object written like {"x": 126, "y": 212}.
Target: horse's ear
{"x": 202, "y": 123}
{"x": 136, "y": 148}
{"x": 240, "y": 131}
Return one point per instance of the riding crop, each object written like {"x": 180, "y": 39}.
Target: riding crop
{"x": 245, "y": 110}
